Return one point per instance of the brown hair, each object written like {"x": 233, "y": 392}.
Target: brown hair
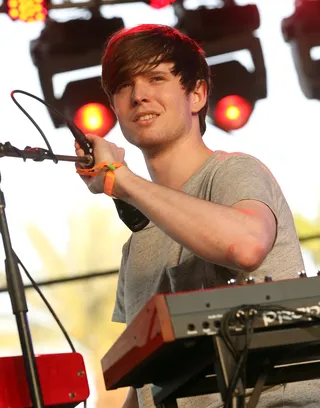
{"x": 138, "y": 49}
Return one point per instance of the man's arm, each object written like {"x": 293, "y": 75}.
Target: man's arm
{"x": 131, "y": 400}
{"x": 238, "y": 237}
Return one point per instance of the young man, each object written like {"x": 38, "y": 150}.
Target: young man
{"x": 213, "y": 215}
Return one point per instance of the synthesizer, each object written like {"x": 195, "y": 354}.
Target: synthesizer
{"x": 172, "y": 325}
{"x": 200, "y": 312}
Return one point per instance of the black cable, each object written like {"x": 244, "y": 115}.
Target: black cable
{"x": 225, "y": 334}
{"x": 249, "y": 335}
{"x": 239, "y": 373}
{"x": 34, "y": 284}
{"x": 33, "y": 121}
{"x": 55, "y": 161}
{"x": 39, "y": 100}
{"x": 246, "y": 314}
{"x": 246, "y": 349}
{"x": 67, "y": 337}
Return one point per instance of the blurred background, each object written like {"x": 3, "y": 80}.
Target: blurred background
{"x": 264, "y": 56}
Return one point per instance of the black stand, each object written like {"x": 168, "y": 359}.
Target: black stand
{"x": 225, "y": 366}
{"x": 165, "y": 393}
{"x": 20, "y": 309}
{"x": 286, "y": 355}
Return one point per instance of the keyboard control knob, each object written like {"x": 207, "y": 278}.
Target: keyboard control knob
{"x": 250, "y": 280}
{"x": 302, "y": 274}
{"x": 232, "y": 282}
{"x": 318, "y": 273}
{"x": 268, "y": 278}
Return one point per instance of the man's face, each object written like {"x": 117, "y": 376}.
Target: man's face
{"x": 153, "y": 108}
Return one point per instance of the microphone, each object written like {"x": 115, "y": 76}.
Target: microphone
{"x": 131, "y": 216}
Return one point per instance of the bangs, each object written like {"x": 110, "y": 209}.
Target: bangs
{"x": 129, "y": 70}
{"x": 134, "y": 52}
{"x": 136, "y": 57}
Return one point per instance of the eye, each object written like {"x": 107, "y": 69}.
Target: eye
{"x": 157, "y": 78}
{"x": 123, "y": 86}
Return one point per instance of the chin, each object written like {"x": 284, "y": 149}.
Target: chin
{"x": 145, "y": 139}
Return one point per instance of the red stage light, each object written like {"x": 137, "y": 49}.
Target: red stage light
{"x": 158, "y": 4}
{"x": 232, "y": 112}
{"x": 94, "y": 118}
{"x": 27, "y": 10}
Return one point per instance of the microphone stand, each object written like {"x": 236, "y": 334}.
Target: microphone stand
{"x": 13, "y": 276}
{"x": 20, "y": 309}
{"x": 131, "y": 216}
{"x": 38, "y": 154}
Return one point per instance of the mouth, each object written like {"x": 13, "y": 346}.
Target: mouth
{"x": 147, "y": 118}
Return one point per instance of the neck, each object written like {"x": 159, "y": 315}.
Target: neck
{"x": 173, "y": 166}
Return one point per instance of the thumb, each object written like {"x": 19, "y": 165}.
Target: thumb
{"x": 92, "y": 138}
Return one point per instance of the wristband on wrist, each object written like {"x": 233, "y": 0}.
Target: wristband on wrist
{"x": 93, "y": 171}
{"x": 109, "y": 176}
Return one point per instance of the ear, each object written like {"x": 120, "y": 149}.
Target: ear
{"x": 199, "y": 96}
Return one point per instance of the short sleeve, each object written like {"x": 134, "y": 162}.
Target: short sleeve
{"x": 243, "y": 177}
{"x": 119, "y": 311}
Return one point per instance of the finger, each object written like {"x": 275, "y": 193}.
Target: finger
{"x": 80, "y": 152}
{"x": 92, "y": 138}
{"x": 80, "y": 165}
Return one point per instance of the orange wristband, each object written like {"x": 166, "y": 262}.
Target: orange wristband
{"x": 110, "y": 177}
{"x": 92, "y": 171}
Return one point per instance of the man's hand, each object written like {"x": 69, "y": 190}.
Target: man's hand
{"x": 103, "y": 152}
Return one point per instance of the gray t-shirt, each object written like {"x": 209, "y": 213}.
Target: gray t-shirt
{"x": 153, "y": 263}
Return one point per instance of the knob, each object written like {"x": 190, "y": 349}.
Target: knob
{"x": 302, "y": 274}
{"x": 250, "y": 280}
{"x": 232, "y": 282}
{"x": 318, "y": 273}
{"x": 268, "y": 278}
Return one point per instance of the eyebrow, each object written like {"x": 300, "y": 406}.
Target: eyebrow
{"x": 155, "y": 72}
{"x": 147, "y": 73}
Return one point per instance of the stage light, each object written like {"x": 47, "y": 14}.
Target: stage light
{"x": 302, "y": 32}
{"x": 27, "y": 10}
{"x": 234, "y": 93}
{"x": 235, "y": 88}
{"x": 158, "y": 4}
{"x": 213, "y": 24}
{"x": 70, "y": 46}
{"x": 232, "y": 112}
{"x": 85, "y": 103}
{"x": 94, "y": 118}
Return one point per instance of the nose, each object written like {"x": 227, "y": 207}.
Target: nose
{"x": 140, "y": 93}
